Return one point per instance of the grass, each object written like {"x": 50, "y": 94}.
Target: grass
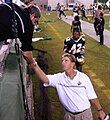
{"x": 97, "y": 63}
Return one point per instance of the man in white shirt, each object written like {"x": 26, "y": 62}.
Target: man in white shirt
{"x": 74, "y": 89}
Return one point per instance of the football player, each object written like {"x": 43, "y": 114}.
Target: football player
{"x": 76, "y": 45}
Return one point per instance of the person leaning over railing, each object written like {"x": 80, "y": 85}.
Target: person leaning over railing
{"x": 25, "y": 20}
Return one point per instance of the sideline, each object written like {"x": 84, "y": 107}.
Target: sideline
{"x": 53, "y": 29}
{"x": 88, "y": 29}
{"x": 97, "y": 81}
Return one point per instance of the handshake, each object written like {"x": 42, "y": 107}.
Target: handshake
{"x": 28, "y": 56}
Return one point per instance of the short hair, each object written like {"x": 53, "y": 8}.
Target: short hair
{"x": 34, "y": 9}
{"x": 76, "y": 18}
{"x": 76, "y": 29}
{"x": 70, "y": 56}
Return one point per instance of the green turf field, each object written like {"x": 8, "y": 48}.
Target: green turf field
{"x": 97, "y": 62}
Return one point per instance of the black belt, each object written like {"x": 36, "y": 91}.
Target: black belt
{"x": 75, "y": 113}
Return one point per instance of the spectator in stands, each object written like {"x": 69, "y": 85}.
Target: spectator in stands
{"x": 26, "y": 19}
{"x": 74, "y": 88}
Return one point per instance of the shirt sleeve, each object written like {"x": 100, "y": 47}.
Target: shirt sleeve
{"x": 53, "y": 80}
{"x": 89, "y": 89}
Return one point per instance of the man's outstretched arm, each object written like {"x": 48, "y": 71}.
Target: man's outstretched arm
{"x": 33, "y": 64}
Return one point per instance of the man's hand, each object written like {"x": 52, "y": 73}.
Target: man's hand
{"x": 28, "y": 56}
{"x": 101, "y": 115}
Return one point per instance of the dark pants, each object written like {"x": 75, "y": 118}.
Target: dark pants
{"x": 62, "y": 13}
{"x": 84, "y": 15}
{"x": 95, "y": 25}
{"x": 101, "y": 36}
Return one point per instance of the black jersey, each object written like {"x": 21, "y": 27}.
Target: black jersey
{"x": 75, "y": 47}
{"x": 100, "y": 24}
{"x": 76, "y": 24}
{"x": 24, "y": 25}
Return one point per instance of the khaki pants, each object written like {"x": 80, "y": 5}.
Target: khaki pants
{"x": 86, "y": 115}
